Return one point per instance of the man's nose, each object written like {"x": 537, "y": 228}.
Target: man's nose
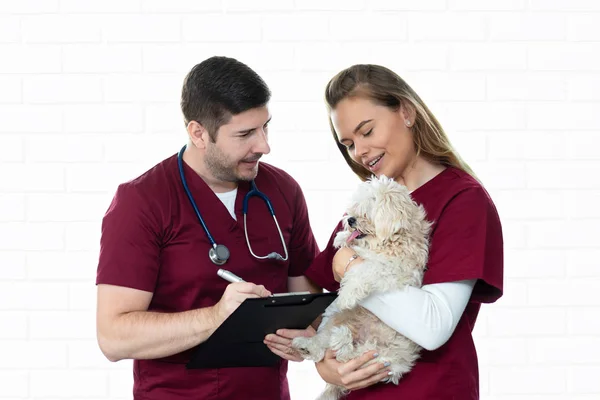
{"x": 352, "y": 222}
{"x": 262, "y": 143}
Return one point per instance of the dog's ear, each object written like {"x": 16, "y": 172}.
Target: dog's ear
{"x": 388, "y": 217}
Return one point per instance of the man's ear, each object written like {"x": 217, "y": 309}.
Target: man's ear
{"x": 198, "y": 134}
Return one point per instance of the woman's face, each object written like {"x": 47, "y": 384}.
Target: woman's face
{"x": 376, "y": 136}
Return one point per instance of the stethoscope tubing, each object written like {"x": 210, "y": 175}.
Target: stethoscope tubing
{"x": 253, "y": 192}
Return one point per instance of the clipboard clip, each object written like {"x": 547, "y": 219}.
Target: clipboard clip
{"x": 288, "y": 294}
{"x": 289, "y": 299}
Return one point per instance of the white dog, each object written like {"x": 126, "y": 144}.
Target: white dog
{"x": 388, "y": 230}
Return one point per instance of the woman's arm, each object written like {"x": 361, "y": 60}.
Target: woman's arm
{"x": 427, "y": 315}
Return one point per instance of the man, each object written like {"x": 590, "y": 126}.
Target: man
{"x": 159, "y": 294}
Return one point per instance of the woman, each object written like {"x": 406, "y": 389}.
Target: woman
{"x": 381, "y": 126}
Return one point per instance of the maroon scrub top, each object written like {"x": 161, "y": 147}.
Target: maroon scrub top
{"x": 152, "y": 241}
{"x": 466, "y": 243}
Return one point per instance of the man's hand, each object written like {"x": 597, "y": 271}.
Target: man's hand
{"x": 280, "y": 342}
{"x": 234, "y": 295}
{"x": 127, "y": 330}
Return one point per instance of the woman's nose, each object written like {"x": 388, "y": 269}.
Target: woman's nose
{"x": 360, "y": 149}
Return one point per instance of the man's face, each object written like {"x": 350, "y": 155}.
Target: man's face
{"x": 239, "y": 145}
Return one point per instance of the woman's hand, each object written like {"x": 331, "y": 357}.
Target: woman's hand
{"x": 280, "y": 343}
{"x": 340, "y": 260}
{"x": 353, "y": 374}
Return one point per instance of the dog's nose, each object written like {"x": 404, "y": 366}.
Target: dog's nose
{"x": 351, "y": 221}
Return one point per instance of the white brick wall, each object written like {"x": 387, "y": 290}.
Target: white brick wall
{"x": 89, "y": 96}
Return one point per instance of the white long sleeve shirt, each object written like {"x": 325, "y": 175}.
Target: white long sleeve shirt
{"x": 426, "y": 315}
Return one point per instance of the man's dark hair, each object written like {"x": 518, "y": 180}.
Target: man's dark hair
{"x": 218, "y": 88}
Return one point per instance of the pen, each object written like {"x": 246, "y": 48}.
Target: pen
{"x": 229, "y": 276}
{"x": 233, "y": 278}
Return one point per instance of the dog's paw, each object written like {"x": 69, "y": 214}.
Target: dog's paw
{"x": 396, "y": 373}
{"x": 301, "y": 345}
{"x": 308, "y": 348}
{"x": 340, "y": 239}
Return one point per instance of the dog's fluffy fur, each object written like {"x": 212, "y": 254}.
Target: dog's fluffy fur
{"x": 393, "y": 243}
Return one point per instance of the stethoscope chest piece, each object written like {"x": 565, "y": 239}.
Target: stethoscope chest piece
{"x": 219, "y": 254}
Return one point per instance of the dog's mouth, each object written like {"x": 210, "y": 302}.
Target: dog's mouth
{"x": 356, "y": 234}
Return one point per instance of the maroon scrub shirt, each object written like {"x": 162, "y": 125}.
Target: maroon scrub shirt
{"x": 152, "y": 241}
{"x": 466, "y": 243}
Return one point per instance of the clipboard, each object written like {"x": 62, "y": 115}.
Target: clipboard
{"x": 238, "y": 342}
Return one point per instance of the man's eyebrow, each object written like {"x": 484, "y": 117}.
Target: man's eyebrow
{"x": 251, "y": 129}
{"x": 360, "y": 125}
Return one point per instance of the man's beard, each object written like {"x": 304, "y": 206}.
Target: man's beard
{"x": 224, "y": 169}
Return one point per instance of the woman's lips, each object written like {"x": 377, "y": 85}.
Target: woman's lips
{"x": 377, "y": 165}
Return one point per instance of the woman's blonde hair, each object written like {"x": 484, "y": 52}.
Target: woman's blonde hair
{"x": 386, "y": 88}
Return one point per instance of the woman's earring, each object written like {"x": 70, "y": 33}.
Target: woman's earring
{"x": 407, "y": 122}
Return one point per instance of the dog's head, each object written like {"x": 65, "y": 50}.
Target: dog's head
{"x": 381, "y": 215}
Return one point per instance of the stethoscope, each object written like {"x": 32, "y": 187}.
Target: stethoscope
{"x": 218, "y": 253}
